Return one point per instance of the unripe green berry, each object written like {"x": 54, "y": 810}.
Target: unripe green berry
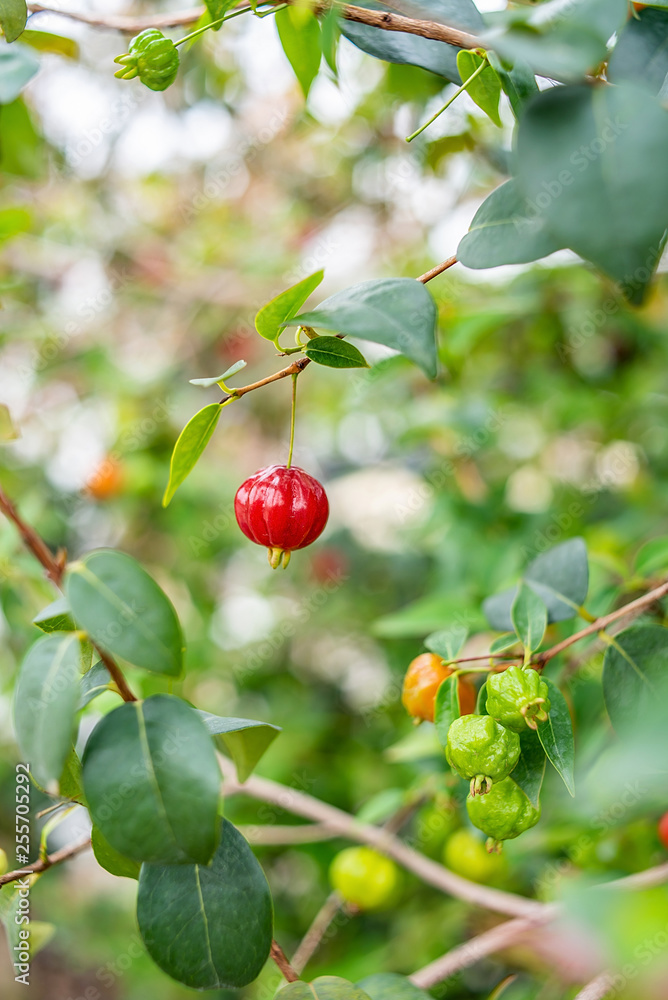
{"x": 480, "y": 749}
{"x": 152, "y": 57}
{"x": 503, "y": 814}
{"x": 518, "y": 698}
{"x": 364, "y": 878}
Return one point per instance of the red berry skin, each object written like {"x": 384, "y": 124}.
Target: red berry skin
{"x": 663, "y": 830}
{"x": 281, "y": 508}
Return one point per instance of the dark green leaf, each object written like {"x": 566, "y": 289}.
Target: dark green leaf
{"x": 584, "y": 160}
{"x": 448, "y": 642}
{"x": 485, "y": 89}
{"x": 299, "y": 32}
{"x": 70, "y": 784}
{"x": 529, "y": 617}
{"x": 45, "y": 703}
{"x": 189, "y": 446}
{"x": 635, "y": 677}
{"x": 13, "y": 17}
{"x": 641, "y": 53}
{"x": 334, "y": 353}
{"x": 397, "y": 47}
{"x": 108, "y": 857}
{"x": 125, "y": 612}
{"x": 55, "y": 617}
{"x": 505, "y": 230}
{"x": 391, "y": 986}
{"x": 652, "y": 557}
{"x": 244, "y": 740}
{"x": 559, "y": 576}
{"x": 94, "y": 682}
{"x": 209, "y": 927}
{"x": 323, "y": 988}
{"x": 397, "y": 312}
{"x": 17, "y": 66}
{"x": 446, "y": 709}
{"x": 529, "y": 771}
{"x": 556, "y": 736}
{"x": 271, "y": 317}
{"x": 152, "y": 781}
{"x": 45, "y": 41}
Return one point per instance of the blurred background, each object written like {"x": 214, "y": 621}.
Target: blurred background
{"x": 139, "y": 234}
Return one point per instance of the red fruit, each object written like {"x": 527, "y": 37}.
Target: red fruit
{"x": 663, "y": 830}
{"x": 281, "y": 508}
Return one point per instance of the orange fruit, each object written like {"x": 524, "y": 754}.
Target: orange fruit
{"x": 423, "y": 678}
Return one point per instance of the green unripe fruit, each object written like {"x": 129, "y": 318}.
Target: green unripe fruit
{"x": 465, "y": 854}
{"x": 364, "y": 878}
{"x": 518, "y": 698}
{"x": 480, "y": 749}
{"x": 152, "y": 57}
{"x": 503, "y": 814}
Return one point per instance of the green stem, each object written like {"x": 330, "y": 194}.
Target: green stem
{"x": 292, "y": 419}
{"x": 213, "y": 24}
{"x": 447, "y": 104}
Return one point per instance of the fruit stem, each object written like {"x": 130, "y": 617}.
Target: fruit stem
{"x": 292, "y": 420}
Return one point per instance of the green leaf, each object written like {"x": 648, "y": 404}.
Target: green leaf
{"x": 45, "y": 41}
{"x": 559, "y": 576}
{"x": 506, "y": 230}
{"x": 485, "y": 90}
{"x": 503, "y": 642}
{"x": 448, "y": 642}
{"x": 652, "y": 557}
{"x": 397, "y": 312}
{"x": 13, "y": 17}
{"x": 529, "y": 771}
{"x": 585, "y": 160}
{"x": 446, "y": 708}
{"x": 556, "y": 737}
{"x": 152, "y": 781}
{"x": 519, "y": 83}
{"x": 529, "y": 617}
{"x": 299, "y": 32}
{"x": 334, "y": 353}
{"x": 94, "y": 682}
{"x": 330, "y": 27}
{"x": 45, "y": 703}
{"x": 8, "y": 431}
{"x": 274, "y": 314}
{"x": 635, "y": 677}
{"x": 397, "y": 47}
{"x": 189, "y": 446}
{"x": 323, "y": 988}
{"x": 125, "y": 612}
{"x": 17, "y": 66}
{"x": 217, "y": 379}
{"x": 244, "y": 740}
{"x": 641, "y": 53}
{"x": 109, "y": 858}
{"x": 70, "y": 785}
{"x": 481, "y": 704}
{"x": 218, "y": 9}
{"x": 55, "y": 617}
{"x": 391, "y": 986}
{"x": 208, "y": 927}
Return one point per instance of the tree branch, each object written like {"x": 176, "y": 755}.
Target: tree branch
{"x": 122, "y": 22}
{"x": 597, "y": 988}
{"x": 281, "y": 960}
{"x": 314, "y": 935}
{"x": 43, "y": 863}
{"x": 628, "y": 609}
{"x": 55, "y": 568}
{"x": 435, "y": 271}
{"x": 347, "y": 826}
{"x": 276, "y": 835}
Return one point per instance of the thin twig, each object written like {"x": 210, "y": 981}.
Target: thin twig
{"x": 55, "y": 569}
{"x": 316, "y": 932}
{"x": 349, "y": 827}
{"x": 281, "y": 960}
{"x": 597, "y": 988}
{"x": 121, "y": 22}
{"x": 294, "y": 369}
{"x": 601, "y": 623}
{"x": 435, "y": 271}
{"x": 41, "y": 864}
{"x": 269, "y": 836}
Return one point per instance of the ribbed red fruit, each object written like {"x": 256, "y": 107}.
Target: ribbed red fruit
{"x": 281, "y": 508}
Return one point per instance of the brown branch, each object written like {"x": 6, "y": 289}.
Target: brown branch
{"x": 277, "y": 835}
{"x": 121, "y": 22}
{"x": 42, "y": 864}
{"x": 435, "y": 271}
{"x": 628, "y": 609}
{"x": 597, "y": 988}
{"x": 347, "y": 826}
{"x": 314, "y": 935}
{"x": 55, "y": 569}
{"x": 294, "y": 369}
{"x": 282, "y": 962}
